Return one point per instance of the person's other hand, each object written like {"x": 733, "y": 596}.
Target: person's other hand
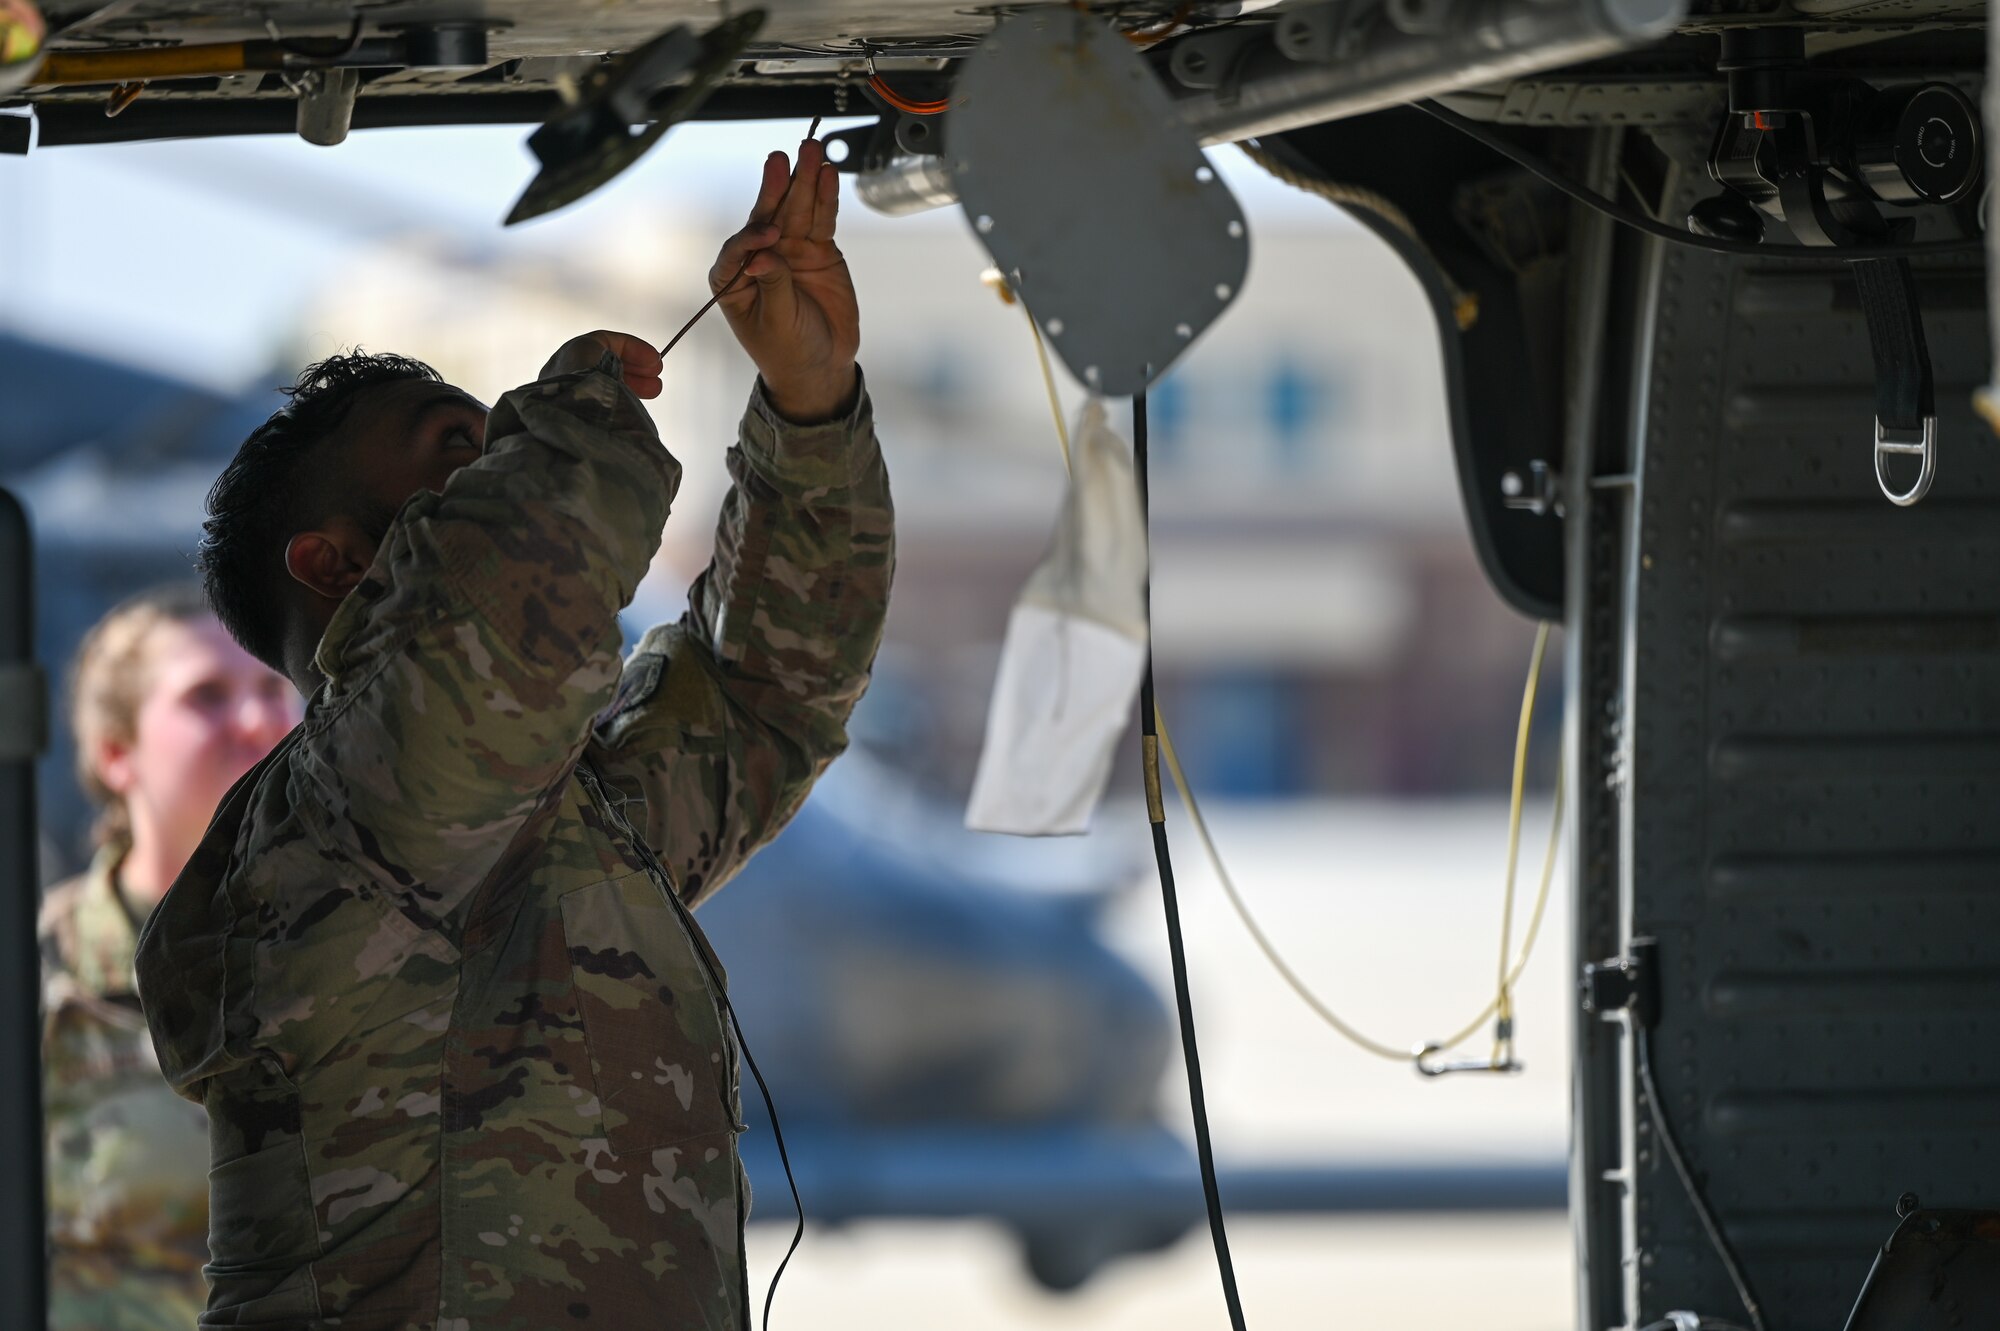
{"x": 794, "y": 309}
{"x": 638, "y": 362}
{"x": 22, "y": 31}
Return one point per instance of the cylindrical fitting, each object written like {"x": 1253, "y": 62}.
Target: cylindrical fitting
{"x": 445, "y": 45}
{"x": 1760, "y": 64}
{"x": 326, "y": 104}
{"x": 1919, "y": 144}
{"x": 906, "y": 186}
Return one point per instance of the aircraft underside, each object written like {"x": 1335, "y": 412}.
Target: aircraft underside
{"x": 182, "y": 68}
{"x": 1683, "y": 259}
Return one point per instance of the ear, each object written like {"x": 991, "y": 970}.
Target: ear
{"x": 112, "y": 762}
{"x": 330, "y": 561}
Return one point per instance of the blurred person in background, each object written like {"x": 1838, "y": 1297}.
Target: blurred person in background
{"x": 168, "y": 712}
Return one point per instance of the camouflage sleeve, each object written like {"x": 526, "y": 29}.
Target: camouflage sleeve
{"x": 463, "y": 672}
{"x": 726, "y": 718}
{"x": 55, "y": 932}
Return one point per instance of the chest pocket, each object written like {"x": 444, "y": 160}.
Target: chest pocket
{"x": 658, "y": 1057}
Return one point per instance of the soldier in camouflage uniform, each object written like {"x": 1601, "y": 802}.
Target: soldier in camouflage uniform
{"x": 128, "y": 1190}
{"x": 167, "y": 713}
{"x": 433, "y": 972}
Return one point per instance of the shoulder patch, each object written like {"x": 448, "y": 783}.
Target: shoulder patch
{"x": 636, "y": 687}
{"x": 664, "y": 692}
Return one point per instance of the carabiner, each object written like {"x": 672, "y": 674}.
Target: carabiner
{"x": 1924, "y": 447}
{"x": 1425, "y": 1053}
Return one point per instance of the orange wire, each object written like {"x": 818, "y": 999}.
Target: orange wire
{"x": 904, "y": 104}
{"x": 1176, "y": 24}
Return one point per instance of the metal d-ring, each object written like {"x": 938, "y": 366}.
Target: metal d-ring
{"x": 1924, "y": 447}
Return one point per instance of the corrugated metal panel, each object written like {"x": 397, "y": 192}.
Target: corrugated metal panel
{"x": 1815, "y": 786}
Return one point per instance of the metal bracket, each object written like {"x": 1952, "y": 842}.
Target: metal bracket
{"x": 590, "y": 142}
{"x": 1320, "y": 34}
{"x": 873, "y": 148}
{"x": 1208, "y": 59}
{"x": 1923, "y": 446}
{"x": 864, "y": 148}
{"x": 1540, "y": 494}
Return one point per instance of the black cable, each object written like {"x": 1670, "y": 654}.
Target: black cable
{"x": 1638, "y": 221}
{"x": 763, "y": 1088}
{"x": 736, "y": 1023}
{"x": 1671, "y": 1145}
{"x": 777, "y": 1135}
{"x": 1149, "y": 732}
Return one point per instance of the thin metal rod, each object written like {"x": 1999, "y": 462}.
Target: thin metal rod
{"x": 811, "y": 130}
{"x": 674, "y": 341}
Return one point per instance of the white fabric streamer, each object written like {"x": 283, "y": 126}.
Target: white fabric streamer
{"x": 1075, "y": 651}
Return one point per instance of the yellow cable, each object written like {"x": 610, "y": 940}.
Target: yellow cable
{"x": 1312, "y": 1000}
{"x": 1503, "y": 997}
{"x": 1534, "y": 928}
{"x": 1049, "y": 382}
{"x": 1271, "y": 954}
{"x": 1464, "y": 304}
{"x": 1502, "y": 1002}
{"x": 993, "y": 278}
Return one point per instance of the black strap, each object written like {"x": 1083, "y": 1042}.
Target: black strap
{"x": 1904, "y": 395}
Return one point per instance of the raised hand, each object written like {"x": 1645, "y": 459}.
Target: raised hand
{"x": 638, "y": 362}
{"x": 786, "y": 291}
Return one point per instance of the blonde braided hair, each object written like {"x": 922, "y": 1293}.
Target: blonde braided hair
{"x": 107, "y": 684}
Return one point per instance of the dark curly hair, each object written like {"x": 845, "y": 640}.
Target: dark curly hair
{"x": 270, "y": 492}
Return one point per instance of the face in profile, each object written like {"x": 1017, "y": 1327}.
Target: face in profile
{"x": 209, "y": 712}
{"x": 412, "y": 436}
{"x": 399, "y": 439}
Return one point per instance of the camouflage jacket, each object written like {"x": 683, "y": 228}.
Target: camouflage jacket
{"x": 127, "y": 1158}
{"x": 461, "y": 1044}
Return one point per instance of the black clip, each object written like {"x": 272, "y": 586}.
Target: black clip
{"x": 1629, "y": 984}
